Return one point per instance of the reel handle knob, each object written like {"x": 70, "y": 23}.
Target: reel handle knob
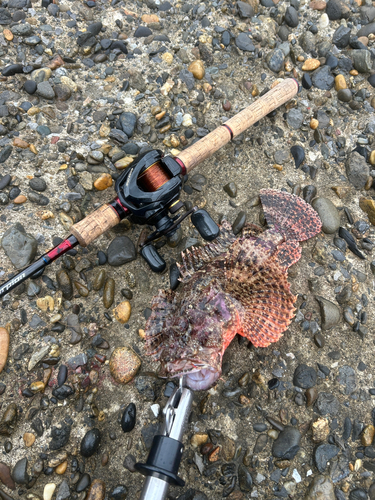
{"x": 205, "y": 225}
{"x": 153, "y": 259}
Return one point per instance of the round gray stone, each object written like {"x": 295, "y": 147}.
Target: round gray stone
{"x": 328, "y": 214}
{"x": 45, "y": 90}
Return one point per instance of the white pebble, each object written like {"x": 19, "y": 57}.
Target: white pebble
{"x": 296, "y": 476}
{"x": 187, "y": 121}
{"x": 324, "y": 21}
{"x": 155, "y": 409}
{"x": 49, "y": 490}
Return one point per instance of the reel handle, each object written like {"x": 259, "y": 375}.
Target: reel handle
{"x": 205, "y": 225}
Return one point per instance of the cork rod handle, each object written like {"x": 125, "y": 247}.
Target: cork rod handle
{"x": 95, "y": 224}
{"x": 209, "y": 144}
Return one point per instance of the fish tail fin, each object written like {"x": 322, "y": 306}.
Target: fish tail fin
{"x": 293, "y": 217}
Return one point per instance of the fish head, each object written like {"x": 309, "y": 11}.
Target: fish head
{"x": 189, "y": 333}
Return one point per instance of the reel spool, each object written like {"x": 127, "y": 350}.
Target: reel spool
{"x": 150, "y": 191}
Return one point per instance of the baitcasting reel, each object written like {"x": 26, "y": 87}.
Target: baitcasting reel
{"x": 150, "y": 191}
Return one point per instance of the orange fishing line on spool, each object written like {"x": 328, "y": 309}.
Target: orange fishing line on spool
{"x": 153, "y": 177}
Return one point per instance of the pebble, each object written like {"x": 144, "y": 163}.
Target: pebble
{"x": 287, "y": 445}
{"x": 294, "y": 118}
{"x": 120, "y": 251}
{"x": 29, "y": 438}
{"x": 330, "y": 313}
{"x": 304, "y": 377}
{"x": 19, "y": 472}
{"x": 320, "y": 430}
{"x": 328, "y": 214}
{"x": 30, "y": 86}
{"x": 357, "y": 170}
{"x": 83, "y": 482}
{"x": 367, "y": 435}
{"x": 122, "y": 312}
{"x": 48, "y": 491}
{"x": 63, "y": 492}
{"x": 45, "y": 90}
{"x": 320, "y": 487}
{"x": 323, "y": 454}
{"x": 231, "y": 189}
{"x": 119, "y": 492}
{"x": 96, "y": 490}
{"x": 90, "y": 443}
{"x": 109, "y": 292}
{"x": 19, "y": 246}
{"x": 275, "y": 60}
{"x": 5, "y": 476}
{"x": 128, "y": 418}
{"x": 65, "y": 284}
{"x": 197, "y": 69}
{"x": 310, "y": 64}
{"x": 103, "y": 182}
{"x": 124, "y": 364}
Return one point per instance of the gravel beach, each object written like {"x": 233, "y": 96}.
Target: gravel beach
{"x": 86, "y": 86}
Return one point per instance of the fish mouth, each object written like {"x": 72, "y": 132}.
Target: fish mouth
{"x": 198, "y": 377}
{"x": 203, "y": 379}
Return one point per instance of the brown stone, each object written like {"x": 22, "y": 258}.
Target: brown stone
{"x": 124, "y": 364}
{"x": 5, "y": 476}
{"x": 160, "y": 115}
{"x": 353, "y": 72}
{"x": 8, "y": 35}
{"x": 372, "y": 158}
{"x": 29, "y": 439}
{"x": 311, "y": 395}
{"x": 96, "y": 490}
{"x": 314, "y": 123}
{"x": 368, "y": 206}
{"x": 340, "y": 82}
{"x": 19, "y": 143}
{"x": 369, "y": 183}
{"x": 310, "y": 64}
{"x": 150, "y": 18}
{"x": 60, "y": 469}
{"x": 367, "y": 435}
{"x": 122, "y": 312}
{"x": 317, "y": 5}
{"x": 56, "y": 62}
{"x": 214, "y": 455}
{"x": 103, "y": 182}
{"x": 4, "y": 347}
{"x": 37, "y": 386}
{"x": 197, "y": 68}
{"x": 364, "y": 40}
{"x": 228, "y": 449}
{"x": 340, "y": 191}
{"x": 20, "y": 199}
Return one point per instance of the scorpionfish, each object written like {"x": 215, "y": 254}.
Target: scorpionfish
{"x": 234, "y": 285}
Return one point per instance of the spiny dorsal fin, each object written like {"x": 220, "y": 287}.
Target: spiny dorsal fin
{"x": 194, "y": 258}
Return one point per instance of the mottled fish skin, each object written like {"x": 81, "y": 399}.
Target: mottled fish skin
{"x": 233, "y": 285}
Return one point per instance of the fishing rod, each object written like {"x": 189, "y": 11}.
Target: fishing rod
{"x": 148, "y": 191}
